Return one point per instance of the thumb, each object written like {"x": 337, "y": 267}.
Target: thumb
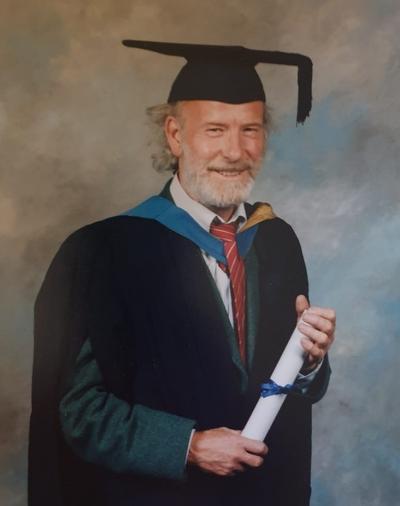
{"x": 301, "y": 305}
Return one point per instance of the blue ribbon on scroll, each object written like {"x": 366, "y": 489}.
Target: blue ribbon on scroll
{"x": 272, "y": 388}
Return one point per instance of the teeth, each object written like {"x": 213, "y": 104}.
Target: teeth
{"x": 229, "y": 172}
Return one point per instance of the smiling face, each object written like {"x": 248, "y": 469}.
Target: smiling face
{"x": 219, "y": 147}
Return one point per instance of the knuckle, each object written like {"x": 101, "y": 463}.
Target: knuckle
{"x": 261, "y": 449}
{"x": 328, "y": 326}
{"x": 258, "y": 461}
{"x": 229, "y": 469}
{"x": 316, "y": 351}
{"x": 323, "y": 338}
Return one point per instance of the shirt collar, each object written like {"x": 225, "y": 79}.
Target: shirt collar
{"x": 197, "y": 211}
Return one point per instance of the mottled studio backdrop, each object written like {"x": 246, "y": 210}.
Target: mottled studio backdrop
{"x": 74, "y": 149}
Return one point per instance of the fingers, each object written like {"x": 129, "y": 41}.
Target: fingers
{"x": 320, "y": 338}
{"x": 318, "y": 326}
{"x": 316, "y": 353}
{"x": 253, "y": 446}
{"x": 255, "y": 452}
{"x": 320, "y": 322}
{"x": 224, "y": 451}
{"x": 252, "y": 460}
{"x": 316, "y": 343}
{"x": 325, "y": 312}
{"x": 237, "y": 467}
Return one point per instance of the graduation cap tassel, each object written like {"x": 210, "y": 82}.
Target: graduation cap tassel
{"x": 304, "y": 80}
{"x": 304, "y": 76}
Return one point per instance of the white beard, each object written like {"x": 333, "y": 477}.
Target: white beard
{"x": 212, "y": 190}
{"x": 211, "y": 193}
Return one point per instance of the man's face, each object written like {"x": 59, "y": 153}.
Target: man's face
{"x": 220, "y": 150}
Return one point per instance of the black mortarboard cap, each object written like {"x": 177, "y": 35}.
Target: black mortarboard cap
{"x": 227, "y": 73}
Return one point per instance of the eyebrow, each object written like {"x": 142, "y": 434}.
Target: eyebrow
{"x": 257, "y": 124}
{"x": 214, "y": 123}
{"x": 219, "y": 124}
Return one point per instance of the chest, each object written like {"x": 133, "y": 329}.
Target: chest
{"x": 178, "y": 346}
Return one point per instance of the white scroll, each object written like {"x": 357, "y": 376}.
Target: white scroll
{"x": 284, "y": 373}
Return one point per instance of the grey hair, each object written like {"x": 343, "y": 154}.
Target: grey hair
{"x": 162, "y": 158}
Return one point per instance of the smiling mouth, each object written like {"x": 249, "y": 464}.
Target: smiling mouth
{"x": 228, "y": 172}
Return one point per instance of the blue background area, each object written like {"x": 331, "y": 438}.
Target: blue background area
{"x": 74, "y": 149}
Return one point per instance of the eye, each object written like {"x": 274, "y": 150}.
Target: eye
{"x": 214, "y": 131}
{"x": 252, "y": 131}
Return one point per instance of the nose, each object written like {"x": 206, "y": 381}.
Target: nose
{"x": 232, "y": 148}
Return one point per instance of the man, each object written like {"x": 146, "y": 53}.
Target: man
{"x": 155, "y": 329}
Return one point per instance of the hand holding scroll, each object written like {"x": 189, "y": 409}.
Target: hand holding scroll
{"x": 319, "y": 331}
{"x": 306, "y": 347}
{"x": 225, "y": 452}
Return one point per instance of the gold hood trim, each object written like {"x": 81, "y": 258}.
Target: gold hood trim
{"x": 263, "y": 211}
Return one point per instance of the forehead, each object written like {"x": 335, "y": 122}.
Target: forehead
{"x": 208, "y": 111}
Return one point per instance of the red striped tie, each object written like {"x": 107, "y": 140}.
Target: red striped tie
{"x": 236, "y": 272}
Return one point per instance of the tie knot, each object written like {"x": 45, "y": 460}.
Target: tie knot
{"x": 224, "y": 231}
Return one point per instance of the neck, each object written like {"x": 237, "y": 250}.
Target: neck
{"x": 223, "y": 212}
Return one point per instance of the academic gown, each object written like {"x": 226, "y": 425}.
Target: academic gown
{"x": 143, "y": 296}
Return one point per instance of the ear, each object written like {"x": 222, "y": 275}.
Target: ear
{"x": 173, "y": 133}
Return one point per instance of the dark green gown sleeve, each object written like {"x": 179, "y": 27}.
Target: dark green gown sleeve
{"x": 107, "y": 431}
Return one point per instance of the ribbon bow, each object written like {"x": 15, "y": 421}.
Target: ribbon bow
{"x": 272, "y": 388}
